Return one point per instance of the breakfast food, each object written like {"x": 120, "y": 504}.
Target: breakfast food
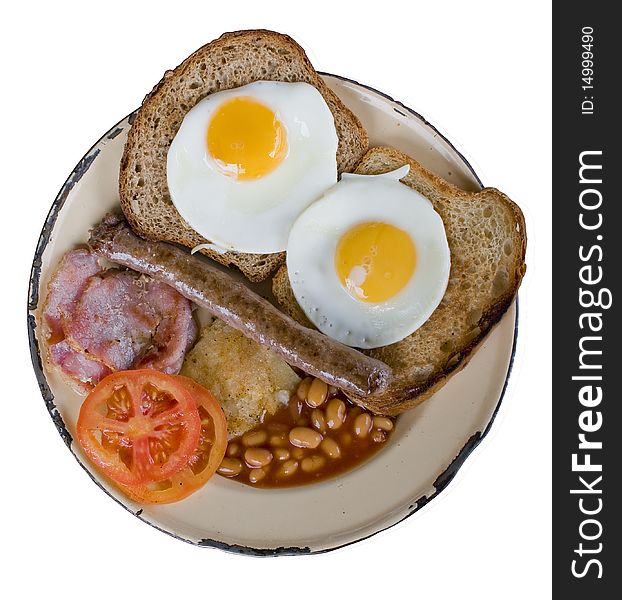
{"x": 367, "y": 272}
{"x": 64, "y": 290}
{"x": 100, "y": 321}
{"x": 231, "y": 61}
{"x": 393, "y": 277}
{"x": 202, "y": 463}
{"x": 270, "y": 152}
{"x": 241, "y": 308}
{"x": 486, "y": 235}
{"x": 320, "y": 434}
{"x": 157, "y": 437}
{"x": 139, "y": 426}
{"x": 249, "y": 381}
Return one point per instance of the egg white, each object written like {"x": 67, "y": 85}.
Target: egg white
{"x": 254, "y": 216}
{"x": 312, "y": 245}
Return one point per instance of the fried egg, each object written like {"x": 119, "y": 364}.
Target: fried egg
{"x": 246, "y": 162}
{"x": 369, "y": 261}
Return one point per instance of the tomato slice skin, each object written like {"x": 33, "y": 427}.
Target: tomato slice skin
{"x": 201, "y": 465}
{"x": 139, "y": 426}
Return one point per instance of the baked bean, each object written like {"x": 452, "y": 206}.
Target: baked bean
{"x": 255, "y": 438}
{"x": 318, "y": 434}
{"x": 378, "y": 436}
{"x": 383, "y": 423}
{"x": 303, "y": 388}
{"x": 318, "y": 421}
{"x": 279, "y": 441}
{"x": 257, "y": 457}
{"x": 362, "y": 425}
{"x": 288, "y": 468}
{"x": 317, "y": 393}
{"x": 331, "y": 448}
{"x": 233, "y": 449}
{"x": 230, "y": 467}
{"x": 304, "y": 437}
{"x": 256, "y": 475}
{"x": 335, "y": 413}
{"x": 281, "y": 454}
{"x": 312, "y": 463}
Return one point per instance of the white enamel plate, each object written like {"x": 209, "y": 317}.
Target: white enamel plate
{"x": 429, "y": 444}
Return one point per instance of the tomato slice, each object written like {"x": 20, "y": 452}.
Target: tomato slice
{"x": 139, "y": 426}
{"x": 203, "y": 462}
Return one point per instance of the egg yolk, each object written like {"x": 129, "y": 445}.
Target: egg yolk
{"x": 246, "y": 139}
{"x": 374, "y": 261}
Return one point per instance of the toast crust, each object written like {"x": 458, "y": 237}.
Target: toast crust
{"x": 424, "y": 361}
{"x": 232, "y": 60}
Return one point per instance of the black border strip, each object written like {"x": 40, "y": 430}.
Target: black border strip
{"x": 440, "y": 483}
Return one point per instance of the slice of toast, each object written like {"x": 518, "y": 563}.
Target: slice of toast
{"x": 233, "y": 60}
{"x": 487, "y": 240}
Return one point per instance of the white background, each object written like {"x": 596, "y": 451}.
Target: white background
{"x": 480, "y": 71}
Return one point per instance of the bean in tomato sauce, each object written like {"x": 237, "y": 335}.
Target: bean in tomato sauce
{"x": 318, "y": 435}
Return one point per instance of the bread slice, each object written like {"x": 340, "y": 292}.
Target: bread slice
{"x": 233, "y": 60}
{"x": 487, "y": 240}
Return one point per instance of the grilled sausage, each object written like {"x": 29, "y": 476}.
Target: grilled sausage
{"x": 241, "y": 308}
